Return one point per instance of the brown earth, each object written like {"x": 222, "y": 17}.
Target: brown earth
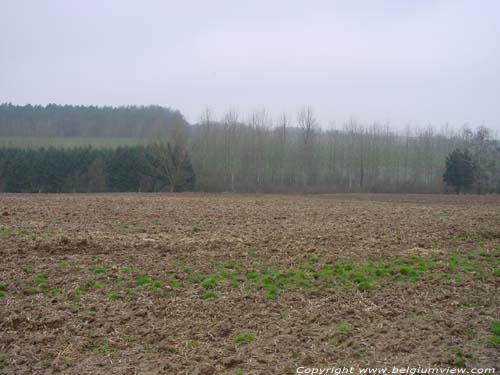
{"x": 122, "y": 283}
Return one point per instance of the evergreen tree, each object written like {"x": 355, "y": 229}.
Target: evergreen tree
{"x": 59, "y": 170}
{"x": 459, "y": 170}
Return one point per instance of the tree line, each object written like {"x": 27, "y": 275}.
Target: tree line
{"x": 87, "y": 121}
{"x": 294, "y": 154}
{"x": 259, "y": 154}
{"x": 155, "y": 167}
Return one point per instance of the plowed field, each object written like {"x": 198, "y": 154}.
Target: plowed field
{"x": 228, "y": 284}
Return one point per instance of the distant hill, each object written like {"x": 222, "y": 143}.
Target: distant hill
{"x": 87, "y": 121}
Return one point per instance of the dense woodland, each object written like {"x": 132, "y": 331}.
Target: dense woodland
{"x": 63, "y": 170}
{"x": 232, "y": 153}
{"x": 87, "y": 121}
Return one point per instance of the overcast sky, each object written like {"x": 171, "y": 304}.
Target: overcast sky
{"x": 405, "y": 62}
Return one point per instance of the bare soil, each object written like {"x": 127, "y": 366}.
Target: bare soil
{"x": 227, "y": 284}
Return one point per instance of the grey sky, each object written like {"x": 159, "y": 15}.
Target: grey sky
{"x": 406, "y": 62}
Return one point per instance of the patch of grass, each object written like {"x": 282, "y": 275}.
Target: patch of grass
{"x": 365, "y": 285}
{"x": 22, "y": 232}
{"x": 244, "y": 339}
{"x": 210, "y": 282}
{"x": 196, "y": 229}
{"x": 365, "y": 276}
{"x": 252, "y": 275}
{"x": 494, "y": 340}
{"x": 56, "y": 292}
{"x": 175, "y": 283}
{"x": 225, "y": 274}
{"x": 3, "y": 287}
{"x": 460, "y": 357}
{"x": 41, "y": 281}
{"x": 479, "y": 275}
{"x": 103, "y": 347}
{"x": 272, "y": 292}
{"x": 114, "y": 296}
{"x": 146, "y": 282}
{"x": 273, "y": 280}
{"x": 230, "y": 265}
{"x": 343, "y": 328}
{"x": 143, "y": 280}
{"x": 79, "y": 291}
{"x": 6, "y": 232}
{"x": 304, "y": 284}
{"x": 154, "y": 286}
{"x": 97, "y": 285}
{"x": 495, "y": 328}
{"x": 362, "y": 276}
{"x": 210, "y": 295}
{"x": 99, "y": 271}
{"x": 2, "y": 293}
{"x": 407, "y": 271}
{"x": 496, "y": 272}
{"x": 459, "y": 361}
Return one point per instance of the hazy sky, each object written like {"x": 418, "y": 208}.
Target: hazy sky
{"x": 406, "y": 62}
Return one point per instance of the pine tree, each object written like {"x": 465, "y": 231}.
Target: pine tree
{"x": 459, "y": 170}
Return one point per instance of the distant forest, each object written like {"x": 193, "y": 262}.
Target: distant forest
{"x": 86, "y": 121}
{"x": 255, "y": 153}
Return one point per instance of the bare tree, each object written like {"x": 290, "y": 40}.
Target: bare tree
{"x": 307, "y": 123}
{"x": 230, "y": 123}
{"x": 172, "y": 162}
{"x": 250, "y": 155}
